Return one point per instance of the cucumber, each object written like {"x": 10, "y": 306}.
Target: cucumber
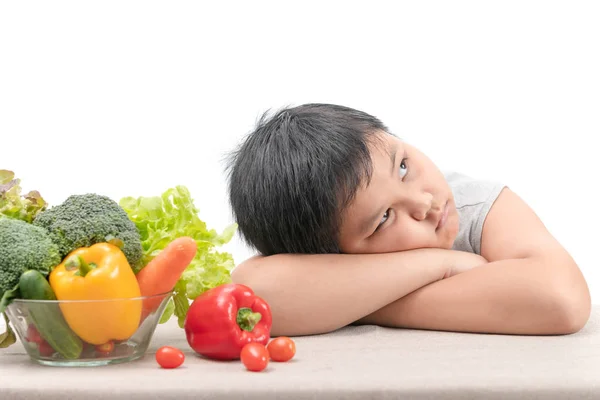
{"x": 47, "y": 317}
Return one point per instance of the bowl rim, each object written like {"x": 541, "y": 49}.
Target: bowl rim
{"x": 32, "y": 301}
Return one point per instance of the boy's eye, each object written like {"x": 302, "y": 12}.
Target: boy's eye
{"x": 403, "y": 171}
{"x": 386, "y": 215}
{"x": 403, "y": 168}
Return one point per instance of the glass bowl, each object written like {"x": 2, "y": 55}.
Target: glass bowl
{"x": 86, "y": 333}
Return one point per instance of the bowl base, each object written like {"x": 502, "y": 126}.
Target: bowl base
{"x": 86, "y": 362}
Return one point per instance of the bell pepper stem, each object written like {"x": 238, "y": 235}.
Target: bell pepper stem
{"x": 77, "y": 262}
{"x": 247, "y": 319}
{"x": 115, "y": 241}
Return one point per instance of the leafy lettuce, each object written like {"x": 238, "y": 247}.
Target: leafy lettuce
{"x": 13, "y": 204}
{"x": 161, "y": 219}
{"x": 25, "y": 207}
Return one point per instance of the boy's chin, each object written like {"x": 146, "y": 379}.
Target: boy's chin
{"x": 446, "y": 239}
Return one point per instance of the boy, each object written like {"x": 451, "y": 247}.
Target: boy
{"x": 355, "y": 226}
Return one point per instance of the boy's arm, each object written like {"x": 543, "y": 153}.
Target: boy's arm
{"x": 310, "y": 294}
{"x": 531, "y": 285}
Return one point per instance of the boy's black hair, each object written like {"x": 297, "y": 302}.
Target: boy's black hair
{"x": 292, "y": 177}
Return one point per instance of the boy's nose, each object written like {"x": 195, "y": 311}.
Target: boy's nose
{"x": 421, "y": 206}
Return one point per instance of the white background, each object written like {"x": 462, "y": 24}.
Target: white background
{"x": 130, "y": 98}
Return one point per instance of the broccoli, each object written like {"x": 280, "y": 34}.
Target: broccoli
{"x": 86, "y": 219}
{"x": 24, "y": 246}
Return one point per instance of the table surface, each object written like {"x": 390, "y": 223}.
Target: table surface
{"x": 354, "y": 362}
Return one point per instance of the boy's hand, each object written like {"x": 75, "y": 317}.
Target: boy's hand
{"x": 465, "y": 262}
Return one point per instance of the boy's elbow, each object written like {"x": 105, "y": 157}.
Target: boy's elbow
{"x": 243, "y": 272}
{"x": 239, "y": 275}
{"x": 256, "y": 273}
{"x": 573, "y": 312}
{"x": 571, "y": 300}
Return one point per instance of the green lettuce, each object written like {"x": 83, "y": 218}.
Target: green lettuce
{"x": 25, "y": 207}
{"x": 160, "y": 220}
{"x": 13, "y": 204}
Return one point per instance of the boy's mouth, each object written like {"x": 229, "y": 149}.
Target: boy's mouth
{"x": 443, "y": 217}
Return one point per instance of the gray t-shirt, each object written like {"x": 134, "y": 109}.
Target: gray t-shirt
{"x": 474, "y": 199}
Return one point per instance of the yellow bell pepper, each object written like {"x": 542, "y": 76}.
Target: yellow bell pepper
{"x": 98, "y": 272}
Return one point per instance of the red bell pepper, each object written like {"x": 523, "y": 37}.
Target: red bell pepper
{"x": 222, "y": 320}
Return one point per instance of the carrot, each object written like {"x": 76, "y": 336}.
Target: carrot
{"x": 162, "y": 273}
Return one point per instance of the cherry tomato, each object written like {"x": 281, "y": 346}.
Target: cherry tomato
{"x": 255, "y": 356}
{"x": 45, "y": 349}
{"x": 33, "y": 335}
{"x": 281, "y": 349}
{"x": 169, "y": 357}
{"x": 105, "y": 349}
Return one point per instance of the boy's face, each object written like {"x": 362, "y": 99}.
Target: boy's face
{"x": 407, "y": 205}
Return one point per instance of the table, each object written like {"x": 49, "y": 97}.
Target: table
{"x": 352, "y": 363}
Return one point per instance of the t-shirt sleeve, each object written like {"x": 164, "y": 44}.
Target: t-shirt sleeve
{"x": 474, "y": 199}
{"x": 482, "y": 213}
